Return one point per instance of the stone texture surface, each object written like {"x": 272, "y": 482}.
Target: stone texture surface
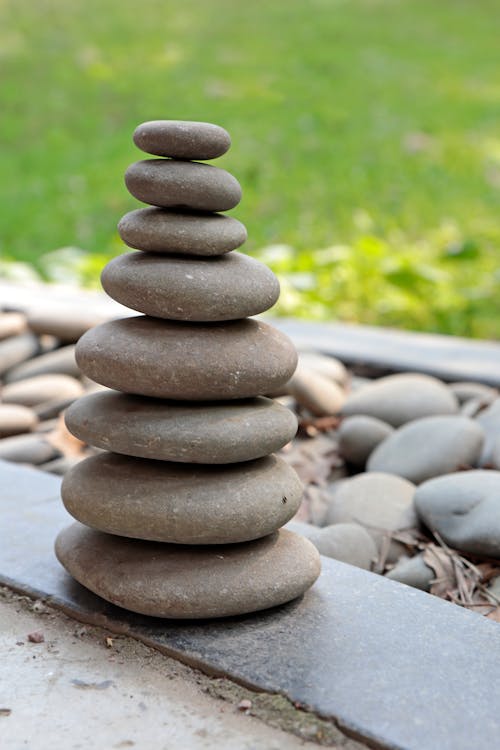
{"x": 186, "y": 361}
{"x": 36, "y": 390}
{"x": 413, "y": 571}
{"x": 210, "y": 433}
{"x": 464, "y": 508}
{"x": 182, "y": 184}
{"x": 182, "y": 139}
{"x": 407, "y": 649}
{"x": 162, "y": 231}
{"x": 358, "y": 436}
{"x": 227, "y": 287}
{"x": 174, "y": 581}
{"x": 16, "y": 419}
{"x": 398, "y": 399}
{"x": 182, "y": 503}
{"x": 382, "y": 503}
{"x": 429, "y": 447}
{"x": 61, "y": 361}
{"x": 317, "y": 393}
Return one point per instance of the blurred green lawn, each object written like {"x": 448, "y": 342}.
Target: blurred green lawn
{"x": 366, "y": 137}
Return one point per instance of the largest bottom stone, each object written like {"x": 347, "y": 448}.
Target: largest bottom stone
{"x": 177, "y": 581}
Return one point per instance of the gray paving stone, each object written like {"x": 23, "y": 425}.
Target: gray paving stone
{"x": 390, "y": 664}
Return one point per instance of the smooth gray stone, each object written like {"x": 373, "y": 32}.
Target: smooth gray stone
{"x": 429, "y": 447}
{"x": 17, "y": 349}
{"x": 159, "y": 230}
{"x": 207, "y": 433}
{"x": 464, "y": 508}
{"x": 314, "y": 391}
{"x": 27, "y": 449}
{"x": 414, "y": 572}
{"x": 349, "y": 623}
{"x": 182, "y": 503}
{"x": 227, "y": 287}
{"x": 397, "y": 399}
{"x": 66, "y": 324}
{"x": 182, "y": 139}
{"x": 348, "y": 542}
{"x": 382, "y": 503}
{"x": 52, "y": 409}
{"x": 41, "y": 388}
{"x": 15, "y": 419}
{"x": 489, "y": 420}
{"x": 182, "y": 184}
{"x": 329, "y": 367}
{"x": 59, "y": 466}
{"x": 466, "y": 391}
{"x": 61, "y": 361}
{"x": 359, "y": 435}
{"x": 187, "y": 361}
{"x": 179, "y": 582}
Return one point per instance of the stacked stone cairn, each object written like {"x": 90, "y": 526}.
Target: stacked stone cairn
{"x": 180, "y": 515}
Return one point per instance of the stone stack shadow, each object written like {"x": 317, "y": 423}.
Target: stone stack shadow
{"x": 180, "y": 515}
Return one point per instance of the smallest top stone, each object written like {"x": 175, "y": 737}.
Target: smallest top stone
{"x": 182, "y": 139}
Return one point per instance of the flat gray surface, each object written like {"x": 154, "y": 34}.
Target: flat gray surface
{"x": 394, "y": 665}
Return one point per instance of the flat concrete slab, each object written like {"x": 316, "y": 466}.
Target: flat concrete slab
{"x": 387, "y": 663}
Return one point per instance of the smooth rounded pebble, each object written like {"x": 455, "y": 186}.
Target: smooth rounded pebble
{"x": 207, "y": 433}
{"x": 329, "y": 367}
{"x": 12, "y": 324}
{"x": 159, "y": 230}
{"x": 182, "y": 582}
{"x": 358, "y": 436}
{"x": 317, "y": 393}
{"x": 15, "y": 420}
{"x": 61, "y": 361}
{"x": 429, "y": 447}
{"x": 347, "y": 542}
{"x": 182, "y": 139}
{"x": 182, "y": 184}
{"x": 382, "y": 503}
{"x": 413, "y": 571}
{"x": 468, "y": 390}
{"x": 33, "y": 391}
{"x": 17, "y": 349}
{"x": 464, "y": 508}
{"x": 227, "y": 287}
{"x": 187, "y": 361}
{"x": 489, "y": 420}
{"x": 27, "y": 449}
{"x": 182, "y": 503}
{"x": 66, "y": 324}
{"x": 398, "y": 399}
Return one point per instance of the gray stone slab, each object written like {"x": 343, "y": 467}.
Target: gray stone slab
{"x": 387, "y": 663}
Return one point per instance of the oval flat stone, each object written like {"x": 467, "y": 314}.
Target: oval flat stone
{"x": 61, "y": 361}
{"x": 16, "y": 419}
{"x": 17, "y": 349}
{"x": 159, "y": 230}
{"x": 36, "y": 390}
{"x": 228, "y": 287}
{"x": 182, "y": 139}
{"x": 180, "y": 582}
{"x": 182, "y": 503}
{"x": 183, "y": 184}
{"x": 187, "y": 361}
{"x": 12, "y": 324}
{"x": 207, "y": 433}
{"x": 65, "y": 323}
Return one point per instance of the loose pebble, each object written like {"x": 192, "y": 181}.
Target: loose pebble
{"x": 413, "y": 571}
{"x": 358, "y": 437}
{"x": 317, "y": 393}
{"x": 15, "y": 420}
{"x": 33, "y": 391}
{"x": 59, "y": 361}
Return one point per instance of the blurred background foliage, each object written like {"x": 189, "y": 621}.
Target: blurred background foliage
{"x": 366, "y": 138}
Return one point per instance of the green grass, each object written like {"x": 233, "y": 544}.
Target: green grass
{"x": 366, "y": 136}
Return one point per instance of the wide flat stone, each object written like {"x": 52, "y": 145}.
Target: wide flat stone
{"x": 66, "y": 325}
{"x": 178, "y": 582}
{"x": 207, "y": 433}
{"x": 184, "y": 361}
{"x": 394, "y": 665}
{"x": 227, "y": 287}
{"x": 15, "y": 419}
{"x": 182, "y": 503}
{"x": 17, "y": 349}
{"x": 35, "y": 390}
{"x": 60, "y": 361}
{"x": 182, "y": 139}
{"x": 169, "y": 183}
{"x": 159, "y": 230}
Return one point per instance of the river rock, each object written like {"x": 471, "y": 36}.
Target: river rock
{"x": 413, "y": 571}
{"x": 429, "y": 447}
{"x": 466, "y": 391}
{"x": 174, "y": 581}
{"x": 227, "y": 287}
{"x": 398, "y": 399}
{"x": 489, "y": 420}
{"x": 182, "y": 184}
{"x": 15, "y": 420}
{"x": 33, "y": 391}
{"x": 12, "y": 324}
{"x": 317, "y": 393}
{"x": 359, "y": 435}
{"x": 187, "y": 361}
{"x": 60, "y": 361}
{"x": 162, "y": 231}
{"x": 59, "y": 466}
{"x": 27, "y": 449}
{"x": 65, "y": 323}
{"x": 17, "y": 349}
{"x": 382, "y": 503}
{"x": 208, "y": 433}
{"x": 347, "y": 542}
{"x": 464, "y": 508}
{"x": 329, "y": 367}
{"x": 182, "y": 139}
{"x": 182, "y": 503}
